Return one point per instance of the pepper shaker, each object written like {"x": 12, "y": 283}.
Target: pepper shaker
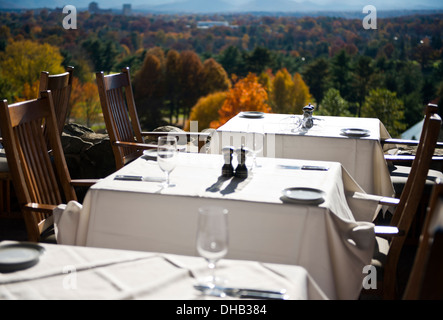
{"x": 228, "y": 168}
{"x": 241, "y": 171}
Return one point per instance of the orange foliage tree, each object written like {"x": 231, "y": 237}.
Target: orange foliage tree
{"x": 85, "y": 103}
{"x": 247, "y": 94}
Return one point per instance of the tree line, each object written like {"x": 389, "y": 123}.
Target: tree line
{"x": 333, "y": 62}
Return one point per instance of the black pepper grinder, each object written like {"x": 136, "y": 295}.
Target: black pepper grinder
{"x": 241, "y": 171}
{"x": 228, "y": 168}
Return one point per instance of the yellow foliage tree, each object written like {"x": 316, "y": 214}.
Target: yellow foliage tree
{"x": 22, "y": 62}
{"x": 289, "y": 94}
{"x": 301, "y": 93}
{"x": 206, "y": 110}
{"x": 246, "y": 95}
{"x": 282, "y": 96}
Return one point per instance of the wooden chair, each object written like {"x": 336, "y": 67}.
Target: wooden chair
{"x": 41, "y": 180}
{"x": 122, "y": 122}
{"x": 60, "y": 86}
{"x": 389, "y": 248}
{"x": 426, "y": 277}
{"x": 400, "y": 165}
{"x": 400, "y": 168}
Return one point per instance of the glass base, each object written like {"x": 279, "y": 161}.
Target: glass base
{"x": 210, "y": 287}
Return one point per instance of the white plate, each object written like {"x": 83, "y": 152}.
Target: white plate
{"x": 355, "y": 132}
{"x": 19, "y": 256}
{"x": 303, "y": 195}
{"x": 252, "y": 114}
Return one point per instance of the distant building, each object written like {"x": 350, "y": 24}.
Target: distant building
{"x": 127, "y": 9}
{"x": 93, "y": 8}
{"x": 210, "y": 24}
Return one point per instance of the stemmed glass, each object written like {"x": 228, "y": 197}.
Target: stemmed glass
{"x": 167, "y": 156}
{"x": 212, "y": 239}
{"x": 255, "y": 141}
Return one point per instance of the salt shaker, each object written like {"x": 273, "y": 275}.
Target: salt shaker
{"x": 308, "y": 121}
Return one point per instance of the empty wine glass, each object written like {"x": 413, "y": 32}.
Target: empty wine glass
{"x": 167, "y": 156}
{"x": 255, "y": 141}
{"x": 212, "y": 239}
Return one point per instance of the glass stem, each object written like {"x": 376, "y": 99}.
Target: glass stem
{"x": 211, "y": 266}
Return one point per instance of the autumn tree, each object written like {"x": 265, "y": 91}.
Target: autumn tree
{"x": 173, "y": 83}
{"x": 282, "y": 95}
{"x": 289, "y": 93}
{"x": 22, "y": 62}
{"x": 191, "y": 75}
{"x": 246, "y": 95}
{"x": 148, "y": 90}
{"x": 302, "y": 95}
{"x": 214, "y": 77}
{"x": 206, "y": 110}
{"x": 86, "y": 105}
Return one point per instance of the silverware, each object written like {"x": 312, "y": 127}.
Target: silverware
{"x": 242, "y": 292}
{"x": 305, "y": 167}
{"x": 138, "y": 178}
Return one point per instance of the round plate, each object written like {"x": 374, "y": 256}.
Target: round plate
{"x": 355, "y": 132}
{"x": 252, "y": 114}
{"x": 19, "y": 256}
{"x": 304, "y": 195}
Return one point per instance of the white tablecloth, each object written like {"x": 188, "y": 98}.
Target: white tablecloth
{"x": 362, "y": 157}
{"x": 69, "y": 272}
{"x": 325, "y": 238}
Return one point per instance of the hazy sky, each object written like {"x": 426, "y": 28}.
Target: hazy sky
{"x": 321, "y": 4}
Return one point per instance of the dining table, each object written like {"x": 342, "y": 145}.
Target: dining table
{"x": 327, "y": 230}
{"x": 31, "y": 271}
{"x": 355, "y": 142}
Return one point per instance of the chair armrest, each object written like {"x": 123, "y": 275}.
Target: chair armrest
{"x": 135, "y": 144}
{"x": 177, "y": 134}
{"x": 407, "y": 158}
{"x": 388, "y": 231}
{"x": 407, "y": 142}
{"x": 387, "y": 201}
{"x": 39, "y": 207}
{"x": 84, "y": 182}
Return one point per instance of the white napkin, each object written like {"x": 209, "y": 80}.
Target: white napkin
{"x": 66, "y": 219}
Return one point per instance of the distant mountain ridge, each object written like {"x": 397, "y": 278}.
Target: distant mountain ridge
{"x": 224, "y": 6}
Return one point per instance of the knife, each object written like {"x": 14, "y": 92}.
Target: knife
{"x": 138, "y": 178}
{"x": 305, "y": 167}
{"x": 244, "y": 292}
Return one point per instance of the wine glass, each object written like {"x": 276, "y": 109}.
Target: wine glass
{"x": 167, "y": 156}
{"x": 212, "y": 240}
{"x": 255, "y": 141}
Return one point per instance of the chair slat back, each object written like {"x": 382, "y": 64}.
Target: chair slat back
{"x": 410, "y": 198}
{"x": 420, "y": 161}
{"x": 38, "y": 176}
{"x": 426, "y": 279}
{"x": 60, "y": 86}
{"x": 119, "y": 112}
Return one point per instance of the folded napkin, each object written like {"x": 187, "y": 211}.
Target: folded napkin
{"x": 66, "y": 219}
